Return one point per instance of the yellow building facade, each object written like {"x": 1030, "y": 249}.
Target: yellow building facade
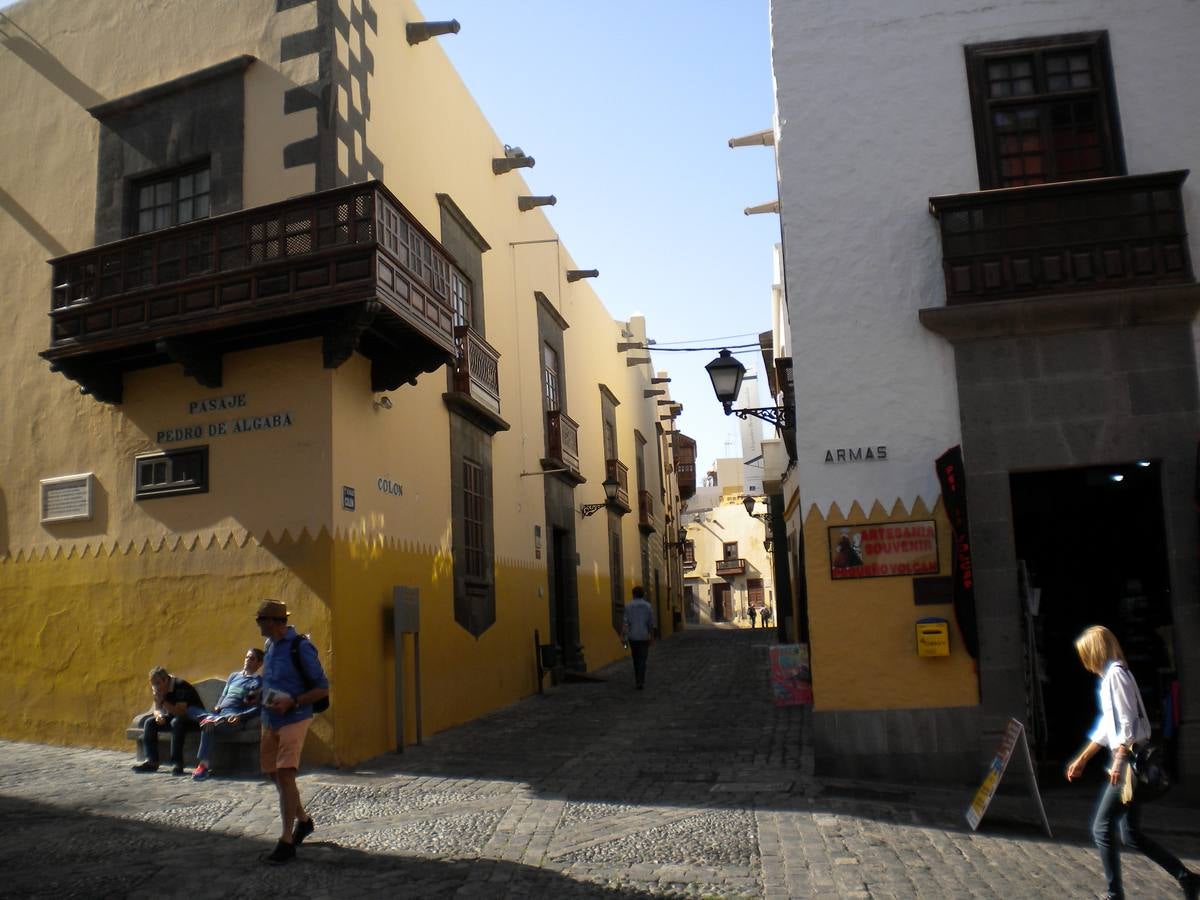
{"x": 306, "y": 341}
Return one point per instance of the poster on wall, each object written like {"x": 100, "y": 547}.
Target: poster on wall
{"x": 880, "y": 551}
{"x": 791, "y": 677}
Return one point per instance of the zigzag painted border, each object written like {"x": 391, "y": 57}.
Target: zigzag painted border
{"x": 917, "y": 508}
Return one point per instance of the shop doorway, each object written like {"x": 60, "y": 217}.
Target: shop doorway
{"x": 1093, "y": 543}
{"x": 720, "y": 595}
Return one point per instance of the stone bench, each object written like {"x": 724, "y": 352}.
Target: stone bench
{"x": 232, "y": 754}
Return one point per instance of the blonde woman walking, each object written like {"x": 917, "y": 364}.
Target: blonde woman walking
{"x": 1122, "y": 726}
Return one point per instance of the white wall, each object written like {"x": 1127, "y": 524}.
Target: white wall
{"x": 873, "y": 118}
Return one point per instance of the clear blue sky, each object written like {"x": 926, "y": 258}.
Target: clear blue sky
{"x": 628, "y": 108}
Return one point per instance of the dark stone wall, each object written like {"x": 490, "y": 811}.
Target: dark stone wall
{"x": 908, "y": 745}
{"x": 1052, "y": 401}
{"x": 189, "y": 121}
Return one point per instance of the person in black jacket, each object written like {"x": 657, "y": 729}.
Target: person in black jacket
{"x": 177, "y": 706}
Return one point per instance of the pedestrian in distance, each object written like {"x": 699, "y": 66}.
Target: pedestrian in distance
{"x": 638, "y": 630}
{"x": 1121, "y": 728}
{"x": 288, "y": 696}
{"x": 752, "y": 613}
{"x": 177, "y": 705}
{"x": 765, "y": 615}
{"x": 236, "y": 708}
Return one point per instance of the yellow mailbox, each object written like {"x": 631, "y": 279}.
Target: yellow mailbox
{"x": 933, "y": 637}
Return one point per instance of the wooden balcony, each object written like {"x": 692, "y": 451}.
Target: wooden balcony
{"x": 476, "y": 382}
{"x": 350, "y": 265}
{"x": 614, "y": 468}
{"x": 684, "y": 450}
{"x": 1094, "y": 235}
{"x": 645, "y": 512}
{"x": 562, "y": 442}
{"x": 731, "y": 567}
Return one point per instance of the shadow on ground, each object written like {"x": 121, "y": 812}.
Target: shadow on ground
{"x": 53, "y": 852}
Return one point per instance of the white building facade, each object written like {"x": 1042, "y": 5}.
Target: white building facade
{"x": 1041, "y": 319}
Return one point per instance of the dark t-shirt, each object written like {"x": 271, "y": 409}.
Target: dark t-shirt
{"x": 182, "y": 692}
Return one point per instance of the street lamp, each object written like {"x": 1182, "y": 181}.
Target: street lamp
{"x": 682, "y": 534}
{"x": 610, "y": 486}
{"x": 749, "y": 502}
{"x": 726, "y": 374}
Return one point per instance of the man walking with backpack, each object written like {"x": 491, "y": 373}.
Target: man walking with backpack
{"x": 293, "y": 681}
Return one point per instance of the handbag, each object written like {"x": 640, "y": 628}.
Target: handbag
{"x": 1149, "y": 778}
{"x": 1150, "y": 775}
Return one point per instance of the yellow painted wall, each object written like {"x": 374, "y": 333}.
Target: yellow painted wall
{"x": 863, "y": 630}
{"x": 83, "y": 629}
{"x": 175, "y": 580}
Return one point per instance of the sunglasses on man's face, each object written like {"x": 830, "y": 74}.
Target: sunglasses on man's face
{"x": 268, "y": 619}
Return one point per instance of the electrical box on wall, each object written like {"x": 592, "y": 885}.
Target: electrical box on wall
{"x": 933, "y": 637}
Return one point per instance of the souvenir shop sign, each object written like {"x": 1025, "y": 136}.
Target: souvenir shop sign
{"x": 880, "y": 551}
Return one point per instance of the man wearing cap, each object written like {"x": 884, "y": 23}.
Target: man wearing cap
{"x": 287, "y": 702}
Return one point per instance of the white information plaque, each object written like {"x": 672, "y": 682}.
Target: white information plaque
{"x": 68, "y": 498}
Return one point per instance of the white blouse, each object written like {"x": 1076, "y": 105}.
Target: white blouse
{"x": 1121, "y": 718}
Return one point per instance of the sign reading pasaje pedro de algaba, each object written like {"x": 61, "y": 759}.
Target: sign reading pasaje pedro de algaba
{"x": 238, "y": 425}
{"x": 877, "y": 551}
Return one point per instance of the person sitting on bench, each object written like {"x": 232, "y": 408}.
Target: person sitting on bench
{"x": 177, "y": 705}
{"x": 237, "y": 706}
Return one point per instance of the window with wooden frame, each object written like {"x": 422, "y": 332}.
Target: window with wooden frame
{"x": 460, "y": 299}
{"x": 731, "y": 550}
{"x": 550, "y": 383}
{"x": 1044, "y": 110}
{"x": 474, "y": 520}
{"x": 169, "y": 473}
{"x": 170, "y": 198}
{"x": 689, "y": 551}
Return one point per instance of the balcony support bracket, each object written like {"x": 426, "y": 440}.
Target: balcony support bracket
{"x": 342, "y": 336}
{"x": 199, "y": 362}
{"x": 100, "y": 384}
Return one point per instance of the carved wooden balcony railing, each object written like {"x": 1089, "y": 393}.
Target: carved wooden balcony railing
{"x": 689, "y": 565}
{"x": 645, "y": 511}
{"x": 351, "y": 265}
{"x": 614, "y": 468}
{"x": 1092, "y": 235}
{"x": 731, "y": 566}
{"x": 477, "y": 370}
{"x": 562, "y": 440}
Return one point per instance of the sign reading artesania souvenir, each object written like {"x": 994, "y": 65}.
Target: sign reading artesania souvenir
{"x": 1014, "y": 733}
{"x": 241, "y": 424}
{"x": 877, "y": 551}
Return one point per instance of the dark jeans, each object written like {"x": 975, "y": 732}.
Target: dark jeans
{"x": 179, "y": 726}
{"x": 1113, "y": 817}
{"x": 639, "y": 649}
{"x": 209, "y": 732}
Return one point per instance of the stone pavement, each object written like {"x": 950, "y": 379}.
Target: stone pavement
{"x": 696, "y": 787}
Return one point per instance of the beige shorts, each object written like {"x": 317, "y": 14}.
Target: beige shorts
{"x": 280, "y": 748}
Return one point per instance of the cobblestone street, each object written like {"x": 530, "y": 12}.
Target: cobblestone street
{"x": 697, "y": 786}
